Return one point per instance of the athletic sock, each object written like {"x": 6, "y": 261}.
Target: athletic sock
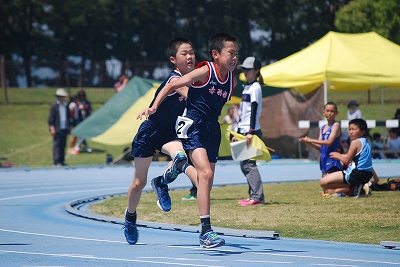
{"x": 131, "y": 217}
{"x": 182, "y": 165}
{"x": 161, "y": 181}
{"x": 205, "y": 223}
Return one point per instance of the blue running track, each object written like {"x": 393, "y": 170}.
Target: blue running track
{"x": 36, "y": 228}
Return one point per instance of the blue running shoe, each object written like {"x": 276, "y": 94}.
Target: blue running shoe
{"x": 131, "y": 232}
{"x": 210, "y": 239}
{"x": 163, "y": 198}
{"x": 172, "y": 171}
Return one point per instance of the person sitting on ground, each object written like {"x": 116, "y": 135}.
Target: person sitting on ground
{"x": 358, "y": 158}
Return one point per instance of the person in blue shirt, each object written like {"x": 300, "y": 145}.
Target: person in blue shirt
{"x": 328, "y": 141}
{"x": 358, "y": 159}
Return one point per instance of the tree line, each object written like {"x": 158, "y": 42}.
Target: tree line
{"x": 139, "y": 30}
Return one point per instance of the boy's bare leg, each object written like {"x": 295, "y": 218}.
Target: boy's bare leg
{"x": 205, "y": 174}
{"x": 333, "y": 181}
{"x": 140, "y": 171}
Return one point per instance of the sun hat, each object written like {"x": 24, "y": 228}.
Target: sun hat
{"x": 61, "y": 92}
{"x": 352, "y": 103}
{"x": 250, "y": 63}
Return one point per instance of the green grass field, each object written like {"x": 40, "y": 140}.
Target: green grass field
{"x": 295, "y": 210}
{"x": 26, "y": 141}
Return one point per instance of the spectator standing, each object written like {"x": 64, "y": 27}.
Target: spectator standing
{"x": 249, "y": 125}
{"x": 75, "y": 119}
{"x": 232, "y": 117}
{"x": 353, "y": 112}
{"x": 397, "y": 117}
{"x": 85, "y": 109}
{"x": 393, "y": 144}
{"x": 59, "y": 126}
{"x": 121, "y": 83}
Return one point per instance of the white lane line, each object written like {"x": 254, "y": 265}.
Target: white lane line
{"x": 107, "y": 259}
{"x": 327, "y": 258}
{"x": 59, "y": 193}
{"x": 325, "y": 264}
{"x": 60, "y": 236}
{"x": 179, "y": 259}
{"x": 280, "y": 262}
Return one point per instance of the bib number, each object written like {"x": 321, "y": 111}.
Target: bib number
{"x": 182, "y": 125}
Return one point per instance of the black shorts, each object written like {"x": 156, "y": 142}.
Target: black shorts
{"x": 356, "y": 177}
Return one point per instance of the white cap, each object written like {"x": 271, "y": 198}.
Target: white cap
{"x": 61, "y": 92}
{"x": 250, "y": 63}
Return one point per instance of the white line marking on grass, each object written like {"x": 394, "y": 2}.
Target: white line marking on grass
{"x": 107, "y": 259}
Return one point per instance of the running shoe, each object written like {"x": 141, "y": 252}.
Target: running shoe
{"x": 131, "y": 232}
{"x": 250, "y": 202}
{"x": 163, "y": 198}
{"x": 338, "y": 195}
{"x": 367, "y": 190}
{"x": 72, "y": 151}
{"x": 172, "y": 171}
{"x": 210, "y": 239}
{"x": 189, "y": 197}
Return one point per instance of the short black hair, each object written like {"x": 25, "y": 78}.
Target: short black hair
{"x": 217, "y": 42}
{"x": 174, "y": 45}
{"x": 376, "y": 135}
{"x": 362, "y": 124}
{"x": 331, "y": 103}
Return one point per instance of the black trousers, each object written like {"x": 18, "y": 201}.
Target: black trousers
{"x": 59, "y": 144}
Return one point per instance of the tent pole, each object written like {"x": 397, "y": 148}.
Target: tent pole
{"x": 297, "y": 123}
{"x": 382, "y": 109}
{"x": 325, "y": 92}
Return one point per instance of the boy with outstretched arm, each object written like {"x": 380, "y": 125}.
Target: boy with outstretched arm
{"x": 210, "y": 87}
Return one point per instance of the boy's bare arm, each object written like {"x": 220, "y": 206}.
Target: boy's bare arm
{"x": 355, "y": 146}
{"x": 334, "y": 134}
{"x": 194, "y": 76}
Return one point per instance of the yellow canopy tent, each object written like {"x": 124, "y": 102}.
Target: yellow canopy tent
{"x": 340, "y": 61}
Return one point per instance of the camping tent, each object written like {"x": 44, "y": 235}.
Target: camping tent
{"x": 339, "y": 61}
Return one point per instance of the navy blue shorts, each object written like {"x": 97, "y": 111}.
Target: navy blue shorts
{"x": 203, "y": 134}
{"x": 151, "y": 137}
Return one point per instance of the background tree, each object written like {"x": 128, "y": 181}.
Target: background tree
{"x": 380, "y": 16}
{"x": 94, "y": 31}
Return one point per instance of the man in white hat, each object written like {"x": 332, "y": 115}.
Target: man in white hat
{"x": 59, "y": 126}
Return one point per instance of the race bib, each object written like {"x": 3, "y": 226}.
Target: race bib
{"x": 182, "y": 125}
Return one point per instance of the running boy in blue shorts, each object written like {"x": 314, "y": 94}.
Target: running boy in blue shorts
{"x": 158, "y": 132}
{"x": 210, "y": 87}
{"x": 358, "y": 159}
